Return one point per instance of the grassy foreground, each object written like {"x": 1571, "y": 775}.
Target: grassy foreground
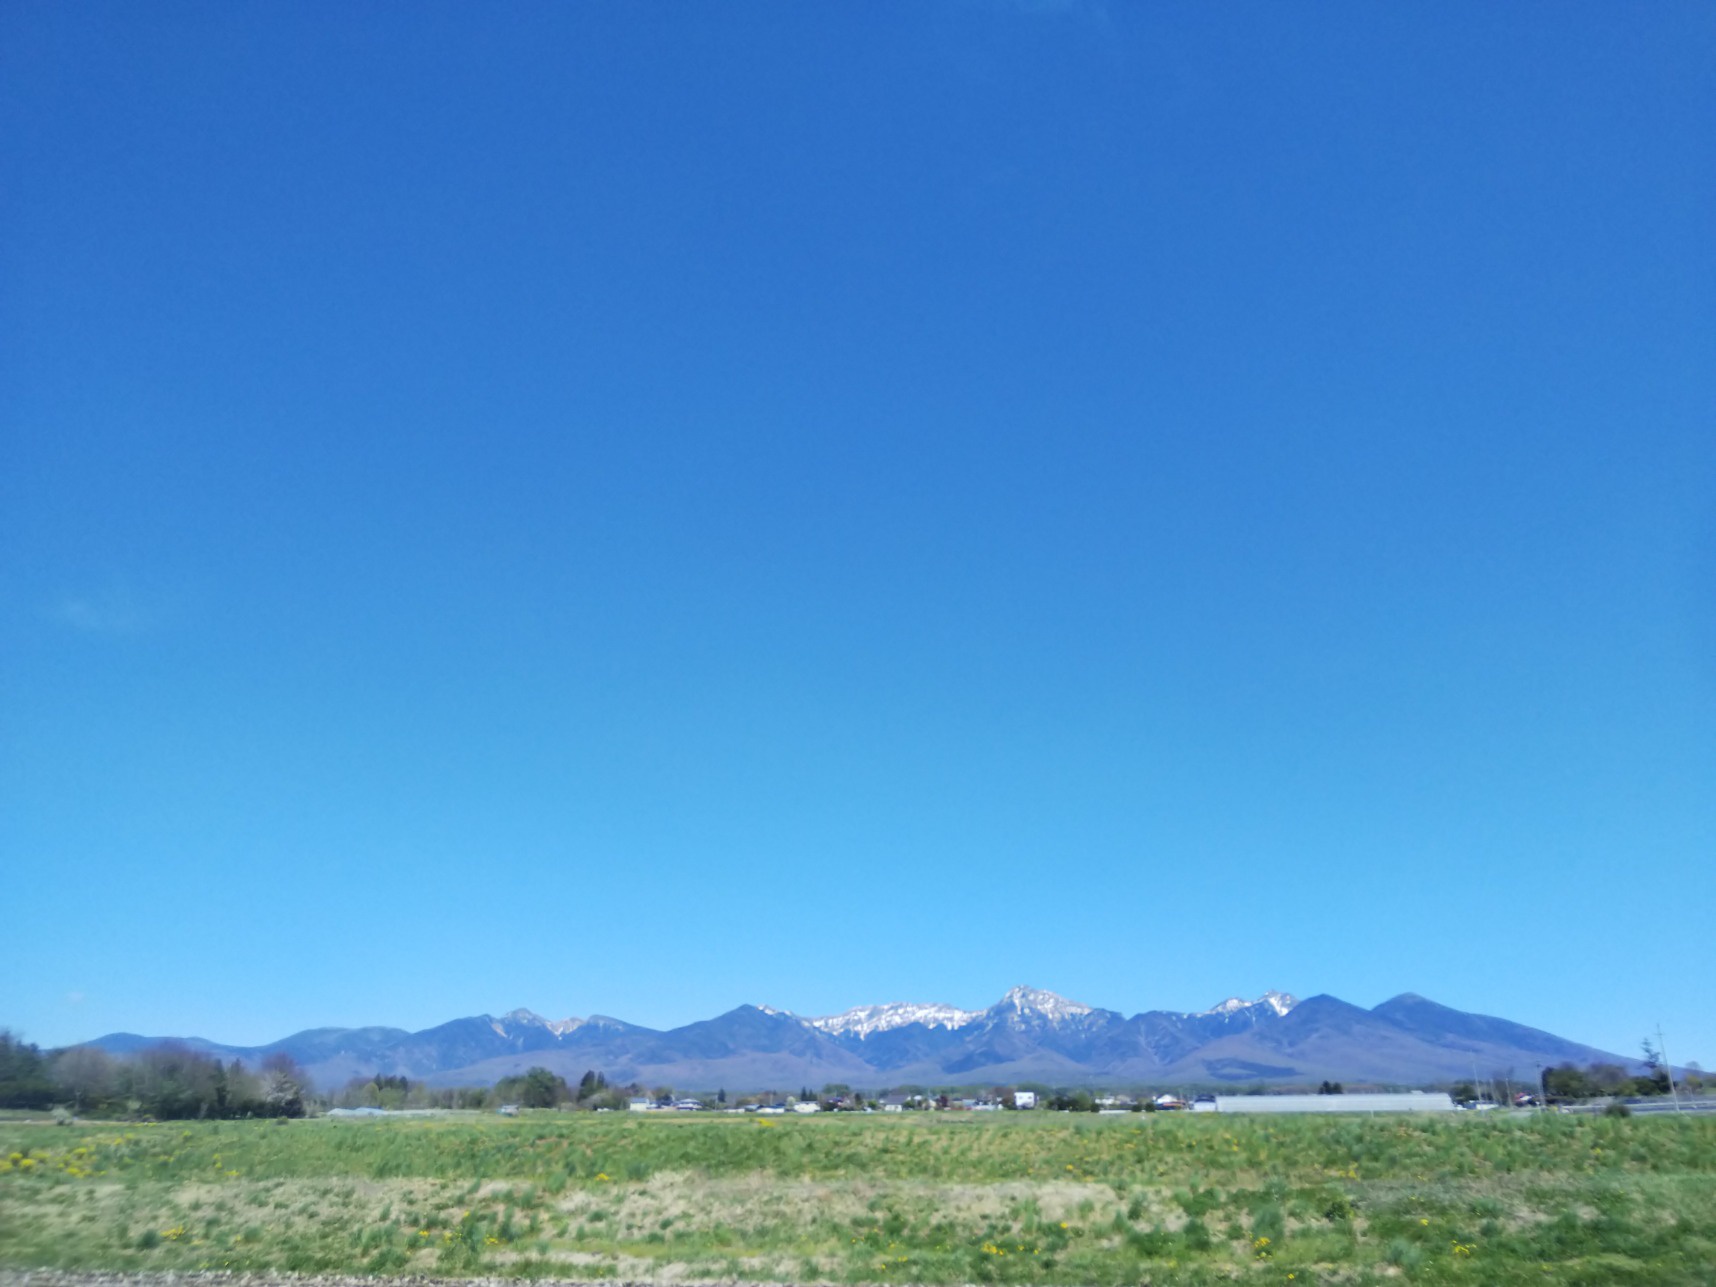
{"x": 931, "y": 1198}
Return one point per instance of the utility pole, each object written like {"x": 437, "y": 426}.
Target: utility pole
{"x": 1668, "y": 1068}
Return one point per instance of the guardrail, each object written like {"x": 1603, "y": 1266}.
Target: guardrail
{"x": 1656, "y": 1104}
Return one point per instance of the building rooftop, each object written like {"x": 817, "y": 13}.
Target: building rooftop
{"x": 1409, "y": 1102}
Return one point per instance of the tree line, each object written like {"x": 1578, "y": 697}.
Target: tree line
{"x": 1569, "y": 1082}
{"x": 534, "y": 1088}
{"x": 169, "y": 1080}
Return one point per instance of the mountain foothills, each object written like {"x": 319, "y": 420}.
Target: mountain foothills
{"x": 1029, "y": 1035}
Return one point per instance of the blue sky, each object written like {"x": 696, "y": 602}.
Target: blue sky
{"x": 637, "y": 508}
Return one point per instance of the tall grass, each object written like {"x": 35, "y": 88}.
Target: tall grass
{"x": 927, "y": 1198}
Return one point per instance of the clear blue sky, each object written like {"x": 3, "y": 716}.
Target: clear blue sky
{"x": 638, "y": 508}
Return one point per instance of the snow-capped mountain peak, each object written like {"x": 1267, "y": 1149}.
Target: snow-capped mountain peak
{"x": 1279, "y": 1002}
{"x": 862, "y": 1021}
{"x": 1040, "y": 1004}
{"x": 520, "y": 1018}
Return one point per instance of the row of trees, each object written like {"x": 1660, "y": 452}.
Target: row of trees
{"x": 25, "y": 1081}
{"x": 541, "y": 1088}
{"x": 535, "y": 1088}
{"x": 166, "y": 1081}
{"x": 173, "y": 1081}
{"x": 1567, "y": 1082}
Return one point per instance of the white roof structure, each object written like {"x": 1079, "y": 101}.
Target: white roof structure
{"x": 1411, "y": 1102}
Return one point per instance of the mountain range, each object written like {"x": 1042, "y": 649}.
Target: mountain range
{"x": 1028, "y": 1035}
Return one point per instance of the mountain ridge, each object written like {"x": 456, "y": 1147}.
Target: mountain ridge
{"x": 1028, "y": 1035}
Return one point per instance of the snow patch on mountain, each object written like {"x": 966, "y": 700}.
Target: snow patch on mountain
{"x": 1279, "y": 1002}
{"x": 1038, "y": 1004}
{"x": 522, "y": 1018}
{"x": 862, "y": 1021}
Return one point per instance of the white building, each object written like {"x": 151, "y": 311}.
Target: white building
{"x": 1024, "y": 1099}
{"x": 1416, "y": 1101}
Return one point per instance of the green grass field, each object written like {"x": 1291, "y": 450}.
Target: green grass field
{"x": 930, "y": 1198}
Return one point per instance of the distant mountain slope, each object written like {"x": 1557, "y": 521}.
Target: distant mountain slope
{"x": 1456, "y": 1030}
{"x": 1028, "y": 1035}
